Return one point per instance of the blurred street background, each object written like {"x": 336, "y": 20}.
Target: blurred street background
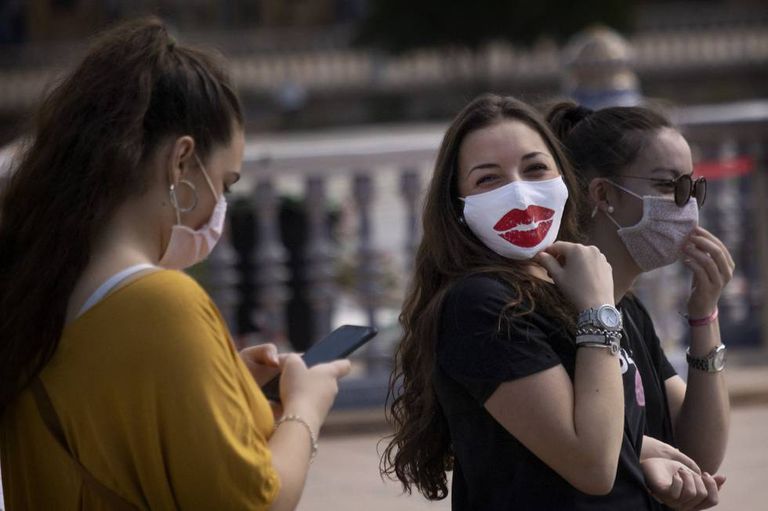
{"x": 346, "y": 102}
{"x": 344, "y": 476}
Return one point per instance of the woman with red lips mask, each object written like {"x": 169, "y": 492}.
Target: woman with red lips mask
{"x": 512, "y": 370}
{"x": 641, "y": 211}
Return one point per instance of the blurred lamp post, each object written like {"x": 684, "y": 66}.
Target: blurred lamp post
{"x": 597, "y": 70}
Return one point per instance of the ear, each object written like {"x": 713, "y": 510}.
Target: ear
{"x": 181, "y": 158}
{"x": 601, "y": 194}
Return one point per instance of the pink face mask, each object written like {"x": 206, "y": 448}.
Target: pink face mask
{"x": 186, "y": 246}
{"x": 657, "y": 239}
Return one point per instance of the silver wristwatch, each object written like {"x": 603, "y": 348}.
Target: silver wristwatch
{"x": 600, "y": 327}
{"x": 712, "y": 362}
{"x": 605, "y": 317}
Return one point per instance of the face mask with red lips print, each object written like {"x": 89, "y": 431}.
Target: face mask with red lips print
{"x": 520, "y": 219}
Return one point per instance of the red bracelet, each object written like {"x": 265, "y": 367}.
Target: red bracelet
{"x": 703, "y": 321}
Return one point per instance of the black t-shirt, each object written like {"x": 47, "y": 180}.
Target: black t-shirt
{"x": 492, "y": 469}
{"x": 655, "y": 369}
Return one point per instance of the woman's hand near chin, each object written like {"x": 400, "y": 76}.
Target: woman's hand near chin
{"x": 712, "y": 267}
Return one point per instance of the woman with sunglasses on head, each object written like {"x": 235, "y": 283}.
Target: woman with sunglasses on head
{"x": 641, "y": 210}
{"x": 120, "y": 387}
{"x": 503, "y": 374}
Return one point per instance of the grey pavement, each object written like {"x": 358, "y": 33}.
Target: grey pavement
{"x": 345, "y": 475}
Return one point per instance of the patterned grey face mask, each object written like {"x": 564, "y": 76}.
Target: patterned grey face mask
{"x": 657, "y": 239}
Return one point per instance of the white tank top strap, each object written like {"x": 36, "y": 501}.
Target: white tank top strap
{"x": 110, "y": 284}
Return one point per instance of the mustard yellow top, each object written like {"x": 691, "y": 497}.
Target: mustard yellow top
{"x": 154, "y": 401}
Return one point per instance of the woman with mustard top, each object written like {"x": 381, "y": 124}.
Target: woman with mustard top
{"x": 119, "y": 384}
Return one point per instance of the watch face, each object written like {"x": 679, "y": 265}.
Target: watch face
{"x": 719, "y": 361}
{"x": 609, "y": 316}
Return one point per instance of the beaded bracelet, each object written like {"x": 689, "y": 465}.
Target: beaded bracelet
{"x": 312, "y": 439}
{"x": 592, "y": 330}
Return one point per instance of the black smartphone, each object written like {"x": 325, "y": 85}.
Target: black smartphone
{"x": 338, "y": 344}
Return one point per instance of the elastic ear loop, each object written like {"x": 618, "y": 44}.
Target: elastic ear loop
{"x": 610, "y": 208}
{"x": 207, "y": 179}
{"x": 596, "y": 208}
{"x": 607, "y": 214}
{"x": 610, "y": 217}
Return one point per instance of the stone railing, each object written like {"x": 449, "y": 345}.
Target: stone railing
{"x": 379, "y": 177}
{"x": 375, "y": 179}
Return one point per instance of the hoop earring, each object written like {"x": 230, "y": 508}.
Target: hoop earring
{"x": 175, "y": 200}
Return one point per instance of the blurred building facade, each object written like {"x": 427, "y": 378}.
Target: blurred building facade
{"x": 297, "y": 69}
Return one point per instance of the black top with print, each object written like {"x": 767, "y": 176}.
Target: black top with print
{"x": 493, "y": 470}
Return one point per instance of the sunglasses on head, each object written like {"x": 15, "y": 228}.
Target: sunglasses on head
{"x": 685, "y": 187}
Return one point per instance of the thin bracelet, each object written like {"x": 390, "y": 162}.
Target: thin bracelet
{"x": 704, "y": 321}
{"x": 594, "y": 345}
{"x": 612, "y": 348}
{"x": 598, "y": 341}
{"x": 312, "y": 439}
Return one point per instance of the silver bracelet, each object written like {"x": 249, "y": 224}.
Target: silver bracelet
{"x": 599, "y": 341}
{"x": 609, "y": 347}
{"x": 312, "y": 439}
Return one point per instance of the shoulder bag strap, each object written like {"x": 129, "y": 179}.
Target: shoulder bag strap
{"x": 52, "y": 422}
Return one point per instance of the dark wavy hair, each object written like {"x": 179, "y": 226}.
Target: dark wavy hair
{"x": 88, "y": 152}
{"x": 602, "y": 143}
{"x": 419, "y": 452}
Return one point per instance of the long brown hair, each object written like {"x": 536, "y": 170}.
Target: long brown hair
{"x": 419, "y": 453}
{"x": 89, "y": 149}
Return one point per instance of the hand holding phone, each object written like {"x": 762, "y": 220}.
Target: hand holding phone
{"x": 338, "y": 344}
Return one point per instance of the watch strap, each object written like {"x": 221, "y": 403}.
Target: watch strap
{"x": 705, "y": 363}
